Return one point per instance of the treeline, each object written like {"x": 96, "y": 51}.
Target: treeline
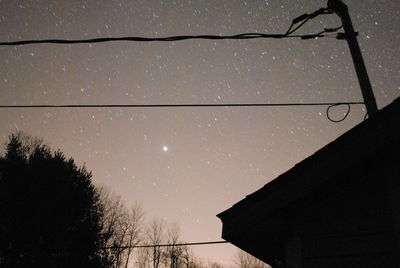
{"x": 52, "y": 215}
{"x": 124, "y": 228}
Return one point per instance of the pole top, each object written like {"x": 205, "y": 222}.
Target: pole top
{"x": 342, "y": 11}
{"x": 337, "y": 6}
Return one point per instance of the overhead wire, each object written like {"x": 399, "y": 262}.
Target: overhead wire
{"x": 321, "y": 33}
{"x": 149, "y": 39}
{"x": 301, "y": 20}
{"x": 341, "y": 119}
{"x": 290, "y": 31}
{"x": 23, "y": 106}
{"x": 329, "y": 104}
{"x": 165, "y": 245}
{"x": 304, "y": 18}
{"x": 144, "y": 39}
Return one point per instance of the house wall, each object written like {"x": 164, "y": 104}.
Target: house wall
{"x": 347, "y": 224}
{"x": 368, "y": 250}
{"x": 394, "y": 193}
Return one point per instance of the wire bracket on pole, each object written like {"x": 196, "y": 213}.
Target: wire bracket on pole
{"x": 350, "y": 35}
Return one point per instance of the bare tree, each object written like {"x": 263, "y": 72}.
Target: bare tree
{"x": 113, "y": 211}
{"x": 121, "y": 229}
{"x": 245, "y": 260}
{"x": 155, "y": 236}
{"x": 186, "y": 257}
{"x": 189, "y": 260}
{"x": 143, "y": 257}
{"x": 215, "y": 265}
{"x": 134, "y": 229}
{"x": 173, "y": 254}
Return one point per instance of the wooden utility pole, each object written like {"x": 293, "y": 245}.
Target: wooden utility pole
{"x": 342, "y": 11}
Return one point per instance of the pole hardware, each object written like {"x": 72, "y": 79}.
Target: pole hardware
{"x": 340, "y": 8}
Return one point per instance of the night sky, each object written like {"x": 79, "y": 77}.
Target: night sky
{"x": 188, "y": 164}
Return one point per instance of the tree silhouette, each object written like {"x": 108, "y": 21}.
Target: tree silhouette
{"x": 121, "y": 229}
{"x": 173, "y": 255}
{"x": 49, "y": 210}
{"x": 245, "y": 260}
{"x": 155, "y": 235}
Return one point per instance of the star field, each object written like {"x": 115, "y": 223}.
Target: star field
{"x": 188, "y": 164}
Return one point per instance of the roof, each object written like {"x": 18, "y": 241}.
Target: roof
{"x": 350, "y": 150}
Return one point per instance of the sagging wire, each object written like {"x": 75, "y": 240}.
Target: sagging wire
{"x": 193, "y": 105}
{"x": 180, "y": 105}
{"x": 165, "y": 245}
{"x": 290, "y": 31}
{"x": 142, "y": 39}
{"x": 301, "y": 20}
{"x": 321, "y": 33}
{"x": 335, "y": 105}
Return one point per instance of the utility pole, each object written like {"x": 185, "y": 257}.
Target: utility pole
{"x": 350, "y": 35}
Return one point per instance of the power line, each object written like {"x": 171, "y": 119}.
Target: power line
{"x": 177, "y": 105}
{"x": 146, "y": 39}
{"x": 299, "y": 21}
{"x": 166, "y": 245}
{"x": 341, "y": 119}
{"x": 160, "y": 39}
{"x": 329, "y": 104}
